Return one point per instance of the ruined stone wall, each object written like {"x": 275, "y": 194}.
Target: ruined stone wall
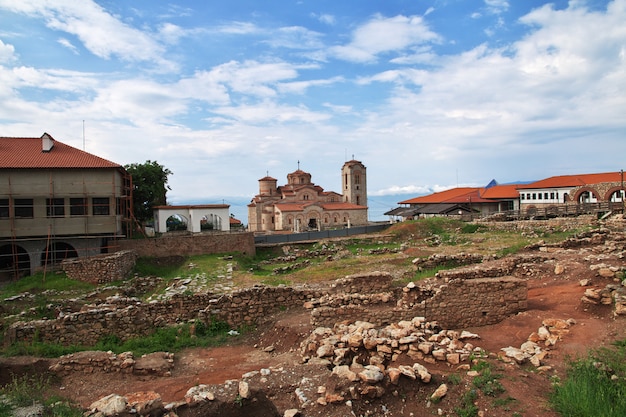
{"x": 474, "y": 302}
{"x": 101, "y": 269}
{"x": 561, "y": 223}
{"x": 187, "y": 245}
{"x": 369, "y": 283}
{"x": 369, "y": 297}
{"x": 454, "y": 304}
{"x": 128, "y": 318}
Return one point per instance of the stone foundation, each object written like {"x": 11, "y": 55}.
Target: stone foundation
{"x": 369, "y": 297}
{"x": 101, "y": 269}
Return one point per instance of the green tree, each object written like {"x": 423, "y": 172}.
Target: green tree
{"x": 149, "y": 188}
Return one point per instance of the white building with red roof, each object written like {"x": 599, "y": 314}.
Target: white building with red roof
{"x": 57, "y": 202}
{"x": 302, "y": 205}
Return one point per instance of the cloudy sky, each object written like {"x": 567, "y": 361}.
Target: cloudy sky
{"x": 428, "y": 94}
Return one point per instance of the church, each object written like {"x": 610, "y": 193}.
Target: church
{"x": 300, "y": 205}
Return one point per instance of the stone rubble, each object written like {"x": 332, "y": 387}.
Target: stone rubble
{"x": 536, "y": 348}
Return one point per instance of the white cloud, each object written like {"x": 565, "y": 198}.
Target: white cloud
{"x": 294, "y": 37}
{"x": 238, "y": 28}
{"x": 497, "y": 6}
{"x": 101, "y": 33}
{"x": 327, "y": 19}
{"x": 7, "y": 52}
{"x": 66, "y": 43}
{"x": 382, "y": 35}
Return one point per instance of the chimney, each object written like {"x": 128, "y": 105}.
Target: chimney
{"x": 46, "y": 143}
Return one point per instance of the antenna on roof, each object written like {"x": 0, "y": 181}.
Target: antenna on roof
{"x": 298, "y": 164}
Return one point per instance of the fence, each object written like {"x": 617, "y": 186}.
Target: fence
{"x": 318, "y": 235}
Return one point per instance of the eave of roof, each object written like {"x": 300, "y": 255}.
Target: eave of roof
{"x": 577, "y": 180}
{"x": 27, "y": 153}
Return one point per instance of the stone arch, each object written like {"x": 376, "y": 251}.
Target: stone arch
{"x": 14, "y": 262}
{"x": 56, "y": 252}
{"x": 531, "y": 211}
{"x": 586, "y": 195}
{"x": 613, "y": 194}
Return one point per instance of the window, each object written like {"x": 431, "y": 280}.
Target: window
{"x": 357, "y": 179}
{"x": 534, "y": 196}
{"x": 4, "y": 208}
{"x": 521, "y": 196}
{"x": 545, "y": 196}
{"x": 100, "y": 206}
{"x": 539, "y": 196}
{"x": 78, "y": 206}
{"x": 55, "y": 207}
{"x": 527, "y": 196}
{"x": 552, "y": 196}
{"x": 24, "y": 208}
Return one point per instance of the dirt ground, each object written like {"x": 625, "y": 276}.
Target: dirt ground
{"x": 276, "y": 347}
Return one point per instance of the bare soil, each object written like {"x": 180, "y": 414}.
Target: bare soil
{"x": 276, "y": 347}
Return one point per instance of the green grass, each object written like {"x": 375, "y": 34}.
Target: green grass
{"x": 595, "y": 385}
{"x": 468, "y": 408}
{"x": 169, "y": 339}
{"x": 27, "y": 390}
{"x": 166, "y": 339}
{"x": 53, "y": 281}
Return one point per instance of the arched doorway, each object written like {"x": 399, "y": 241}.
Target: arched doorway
{"x": 176, "y": 222}
{"x": 57, "y": 252}
{"x": 14, "y": 262}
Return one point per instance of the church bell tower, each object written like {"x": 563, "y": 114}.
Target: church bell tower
{"x": 354, "y": 183}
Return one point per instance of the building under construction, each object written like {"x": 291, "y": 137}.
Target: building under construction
{"x": 57, "y": 202}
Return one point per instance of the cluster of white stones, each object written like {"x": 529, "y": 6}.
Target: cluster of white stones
{"x": 534, "y": 350}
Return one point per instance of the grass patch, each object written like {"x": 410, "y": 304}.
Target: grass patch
{"x": 57, "y": 281}
{"x": 595, "y": 385}
{"x": 169, "y": 339}
{"x": 28, "y": 390}
{"x": 467, "y": 407}
{"x": 166, "y": 339}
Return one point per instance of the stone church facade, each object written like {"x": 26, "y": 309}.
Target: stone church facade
{"x": 301, "y": 205}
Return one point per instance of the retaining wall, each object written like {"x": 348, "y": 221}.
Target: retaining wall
{"x": 187, "y": 245}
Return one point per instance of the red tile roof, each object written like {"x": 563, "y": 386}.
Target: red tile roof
{"x": 507, "y": 191}
{"x": 27, "y": 153}
{"x": 453, "y": 195}
{"x": 285, "y": 207}
{"x": 574, "y": 180}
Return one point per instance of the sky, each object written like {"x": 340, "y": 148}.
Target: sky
{"x": 428, "y": 94}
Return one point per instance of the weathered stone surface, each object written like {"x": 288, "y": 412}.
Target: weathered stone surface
{"x": 244, "y": 389}
{"x": 110, "y": 405}
{"x": 423, "y": 373}
{"x": 371, "y": 374}
{"x": 198, "y": 394}
{"x": 439, "y": 393}
{"x": 144, "y": 403}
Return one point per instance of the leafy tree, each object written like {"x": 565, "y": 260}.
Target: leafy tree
{"x": 149, "y": 188}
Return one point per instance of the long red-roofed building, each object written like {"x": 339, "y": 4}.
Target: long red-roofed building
{"x": 562, "y": 194}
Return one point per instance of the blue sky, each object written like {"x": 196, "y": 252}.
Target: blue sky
{"x": 428, "y": 94}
